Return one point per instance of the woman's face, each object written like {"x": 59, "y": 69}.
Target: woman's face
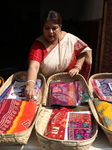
{"x": 51, "y": 31}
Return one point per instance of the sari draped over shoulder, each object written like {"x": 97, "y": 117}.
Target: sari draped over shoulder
{"x": 63, "y": 56}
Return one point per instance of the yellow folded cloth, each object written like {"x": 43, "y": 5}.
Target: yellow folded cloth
{"x": 104, "y": 110}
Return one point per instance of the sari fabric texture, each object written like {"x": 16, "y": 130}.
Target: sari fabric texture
{"x": 16, "y": 112}
{"x": 103, "y": 104}
{"x": 63, "y": 56}
{"x": 103, "y": 89}
{"x": 57, "y": 123}
{"x": 104, "y": 110}
{"x": 67, "y": 93}
{"x": 15, "y": 115}
{"x": 77, "y": 127}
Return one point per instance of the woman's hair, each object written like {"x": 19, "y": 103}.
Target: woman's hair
{"x": 51, "y": 15}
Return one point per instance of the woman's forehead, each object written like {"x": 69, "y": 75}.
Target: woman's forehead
{"x": 50, "y": 23}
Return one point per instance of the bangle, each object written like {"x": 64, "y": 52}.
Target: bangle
{"x": 78, "y": 66}
{"x": 30, "y": 81}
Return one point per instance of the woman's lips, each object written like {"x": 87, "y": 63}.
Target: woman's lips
{"x": 51, "y": 36}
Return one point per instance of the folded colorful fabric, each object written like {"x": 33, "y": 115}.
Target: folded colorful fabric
{"x": 56, "y": 126}
{"x": 16, "y": 115}
{"x": 6, "y": 91}
{"x": 67, "y": 93}
{"x": 103, "y": 88}
{"x": 77, "y": 127}
{"x": 104, "y": 110}
{"x": 81, "y": 108}
{"x": 16, "y": 90}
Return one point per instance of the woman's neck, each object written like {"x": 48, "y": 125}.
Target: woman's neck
{"x": 51, "y": 44}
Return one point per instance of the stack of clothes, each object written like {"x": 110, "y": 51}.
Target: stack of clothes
{"x": 16, "y": 112}
{"x": 103, "y": 104}
{"x": 69, "y": 120}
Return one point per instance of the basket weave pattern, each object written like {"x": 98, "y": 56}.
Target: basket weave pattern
{"x": 41, "y": 123}
{"x": 107, "y": 132}
{"x": 21, "y": 137}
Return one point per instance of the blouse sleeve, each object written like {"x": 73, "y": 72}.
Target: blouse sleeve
{"x": 37, "y": 51}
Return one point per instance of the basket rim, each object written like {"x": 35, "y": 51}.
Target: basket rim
{"x": 99, "y": 74}
{"x": 29, "y": 130}
{"x": 66, "y": 141}
{"x": 91, "y": 104}
{"x": 79, "y": 76}
{"x": 62, "y": 74}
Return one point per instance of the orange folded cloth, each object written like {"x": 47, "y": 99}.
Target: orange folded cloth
{"x": 16, "y": 115}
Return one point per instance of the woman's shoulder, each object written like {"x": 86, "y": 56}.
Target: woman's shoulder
{"x": 40, "y": 38}
{"x": 70, "y": 36}
{"x": 38, "y": 43}
{"x": 63, "y": 33}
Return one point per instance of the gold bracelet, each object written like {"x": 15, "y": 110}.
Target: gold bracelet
{"x": 78, "y": 66}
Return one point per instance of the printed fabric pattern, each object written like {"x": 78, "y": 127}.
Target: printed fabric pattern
{"x": 60, "y": 127}
{"x": 103, "y": 88}
{"x": 15, "y": 115}
{"x": 67, "y": 93}
{"x": 79, "y": 126}
{"x": 104, "y": 110}
{"x": 57, "y": 123}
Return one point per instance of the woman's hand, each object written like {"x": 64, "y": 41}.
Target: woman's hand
{"x": 32, "y": 72}
{"x": 78, "y": 65}
{"x": 74, "y": 71}
{"x": 30, "y": 92}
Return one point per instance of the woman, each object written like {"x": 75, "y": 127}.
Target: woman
{"x": 56, "y": 51}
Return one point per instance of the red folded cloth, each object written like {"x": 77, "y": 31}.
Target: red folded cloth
{"x": 16, "y": 115}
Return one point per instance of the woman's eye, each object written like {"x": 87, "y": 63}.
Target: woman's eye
{"x": 54, "y": 28}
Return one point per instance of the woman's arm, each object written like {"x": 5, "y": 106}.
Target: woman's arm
{"x": 31, "y": 79}
{"x": 78, "y": 65}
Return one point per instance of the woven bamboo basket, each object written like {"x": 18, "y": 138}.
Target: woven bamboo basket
{"x": 21, "y": 138}
{"x": 1, "y": 81}
{"x": 44, "y": 115}
{"x": 107, "y": 132}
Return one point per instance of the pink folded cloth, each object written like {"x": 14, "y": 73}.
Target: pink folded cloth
{"x": 67, "y": 93}
{"x": 103, "y": 89}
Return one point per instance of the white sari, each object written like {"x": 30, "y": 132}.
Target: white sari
{"x": 59, "y": 58}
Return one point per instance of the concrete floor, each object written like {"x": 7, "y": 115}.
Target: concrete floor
{"x": 101, "y": 143}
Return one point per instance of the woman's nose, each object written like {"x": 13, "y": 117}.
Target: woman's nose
{"x": 51, "y": 30}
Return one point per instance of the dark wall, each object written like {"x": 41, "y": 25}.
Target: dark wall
{"x": 20, "y": 26}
